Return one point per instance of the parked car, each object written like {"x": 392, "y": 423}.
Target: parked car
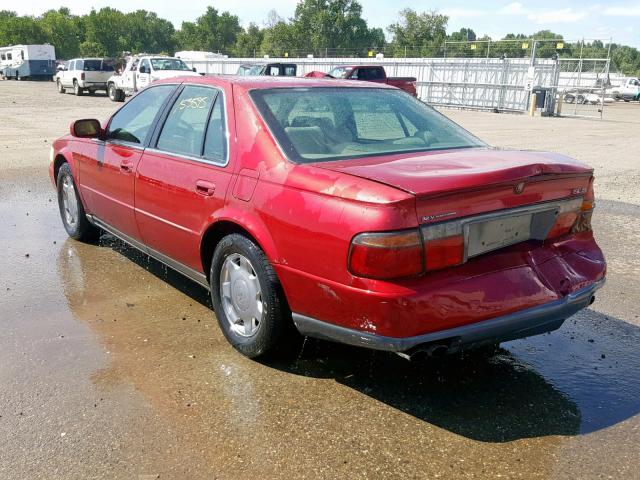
{"x": 368, "y": 73}
{"x": 350, "y": 210}
{"x": 84, "y": 75}
{"x": 141, "y": 71}
{"x": 271, "y": 69}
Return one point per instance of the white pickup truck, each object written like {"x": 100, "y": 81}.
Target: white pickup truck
{"x": 84, "y": 75}
{"x": 141, "y": 71}
{"x": 628, "y": 90}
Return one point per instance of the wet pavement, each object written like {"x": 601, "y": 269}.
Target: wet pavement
{"x": 112, "y": 366}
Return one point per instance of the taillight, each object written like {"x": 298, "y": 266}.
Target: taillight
{"x": 387, "y": 254}
{"x": 82, "y": 76}
{"x": 574, "y": 219}
{"x": 583, "y": 222}
{"x": 443, "y": 245}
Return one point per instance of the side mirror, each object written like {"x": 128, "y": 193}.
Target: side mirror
{"x": 194, "y": 69}
{"x": 143, "y": 69}
{"x": 86, "y": 128}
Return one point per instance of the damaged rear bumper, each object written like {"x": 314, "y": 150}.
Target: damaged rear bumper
{"x": 523, "y": 323}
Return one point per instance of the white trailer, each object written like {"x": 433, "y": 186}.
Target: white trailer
{"x": 28, "y": 61}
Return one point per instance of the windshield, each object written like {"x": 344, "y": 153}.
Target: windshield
{"x": 340, "y": 72}
{"x": 320, "y": 124}
{"x": 169, "y": 64}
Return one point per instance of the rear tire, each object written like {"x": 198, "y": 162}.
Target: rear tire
{"x": 77, "y": 90}
{"x": 61, "y": 89}
{"x": 72, "y": 211}
{"x": 245, "y": 286}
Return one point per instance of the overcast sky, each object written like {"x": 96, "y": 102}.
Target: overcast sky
{"x": 573, "y": 19}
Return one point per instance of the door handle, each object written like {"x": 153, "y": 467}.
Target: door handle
{"x": 205, "y": 188}
{"x": 126, "y": 166}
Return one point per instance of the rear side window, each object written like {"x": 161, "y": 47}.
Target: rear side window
{"x": 183, "y": 130}
{"x": 370, "y": 74}
{"x": 133, "y": 122}
{"x": 215, "y": 145}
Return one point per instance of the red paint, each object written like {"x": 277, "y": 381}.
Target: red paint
{"x": 305, "y": 216}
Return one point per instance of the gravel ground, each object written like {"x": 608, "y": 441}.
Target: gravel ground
{"x": 112, "y": 366}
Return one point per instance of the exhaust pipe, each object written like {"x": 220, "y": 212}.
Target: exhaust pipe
{"x": 427, "y": 351}
{"x": 592, "y": 299}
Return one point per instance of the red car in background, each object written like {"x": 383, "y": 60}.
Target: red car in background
{"x": 368, "y": 73}
{"x": 351, "y": 210}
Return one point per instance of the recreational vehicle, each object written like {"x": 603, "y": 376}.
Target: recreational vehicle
{"x": 27, "y": 61}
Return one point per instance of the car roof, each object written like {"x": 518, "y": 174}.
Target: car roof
{"x": 247, "y": 82}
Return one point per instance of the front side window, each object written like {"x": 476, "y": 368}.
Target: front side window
{"x": 320, "y": 124}
{"x": 169, "y": 64}
{"x": 144, "y": 66}
{"x": 133, "y": 122}
{"x": 184, "y": 129}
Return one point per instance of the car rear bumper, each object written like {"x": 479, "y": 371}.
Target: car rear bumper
{"x": 87, "y": 84}
{"x": 495, "y": 285}
{"x": 520, "y": 324}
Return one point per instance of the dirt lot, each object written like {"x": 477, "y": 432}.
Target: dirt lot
{"x": 113, "y": 367}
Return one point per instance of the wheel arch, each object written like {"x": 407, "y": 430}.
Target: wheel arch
{"x": 59, "y": 160}
{"x": 220, "y": 228}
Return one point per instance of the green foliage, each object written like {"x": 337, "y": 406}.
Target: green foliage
{"x": 424, "y": 32}
{"x": 212, "y": 32}
{"x": 318, "y": 27}
{"x": 15, "y": 29}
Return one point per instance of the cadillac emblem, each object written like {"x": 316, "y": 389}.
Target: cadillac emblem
{"x": 518, "y": 188}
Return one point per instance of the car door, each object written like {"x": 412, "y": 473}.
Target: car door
{"x": 143, "y": 76}
{"x": 108, "y": 166}
{"x": 67, "y": 74}
{"x": 183, "y": 180}
{"x": 130, "y": 76}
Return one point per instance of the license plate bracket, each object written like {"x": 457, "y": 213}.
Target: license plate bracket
{"x": 488, "y": 235}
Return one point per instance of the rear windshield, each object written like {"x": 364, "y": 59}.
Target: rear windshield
{"x": 98, "y": 66}
{"x": 321, "y": 124}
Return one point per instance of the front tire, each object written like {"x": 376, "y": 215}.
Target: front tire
{"x": 72, "y": 211}
{"x": 76, "y": 89}
{"x": 115, "y": 94}
{"x": 247, "y": 297}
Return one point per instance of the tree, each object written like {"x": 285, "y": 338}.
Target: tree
{"x": 19, "y": 30}
{"x": 61, "y": 31}
{"x": 423, "y": 33}
{"x": 249, "y": 41}
{"x": 105, "y": 32}
{"x": 333, "y": 25}
{"x": 212, "y": 32}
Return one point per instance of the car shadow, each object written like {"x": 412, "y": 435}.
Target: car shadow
{"x": 579, "y": 379}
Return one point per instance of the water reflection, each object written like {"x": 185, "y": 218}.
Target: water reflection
{"x": 580, "y": 379}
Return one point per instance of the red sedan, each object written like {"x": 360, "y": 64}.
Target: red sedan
{"x": 352, "y": 211}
